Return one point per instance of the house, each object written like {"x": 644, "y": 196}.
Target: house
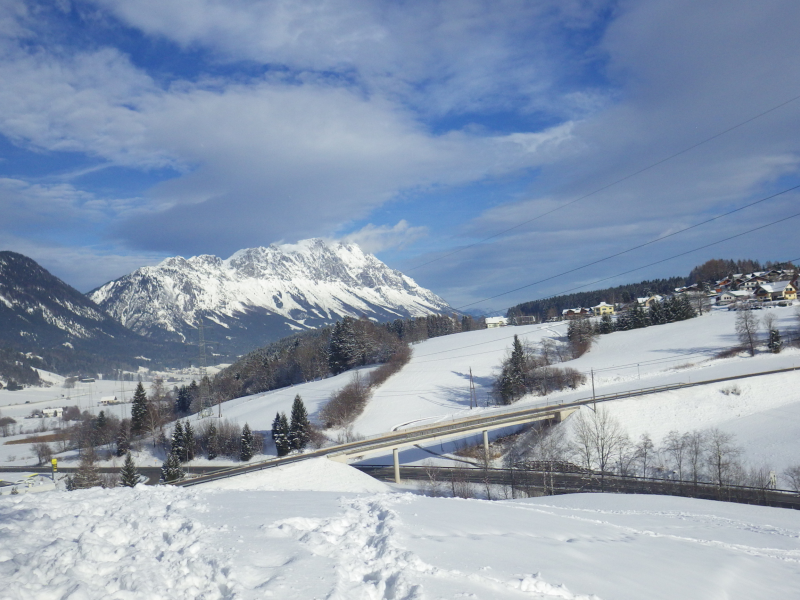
{"x": 751, "y": 283}
{"x": 492, "y": 322}
{"x": 780, "y": 290}
{"x": 52, "y": 412}
{"x": 603, "y": 309}
{"x": 576, "y": 313}
{"x": 106, "y": 400}
{"x": 730, "y": 297}
{"x": 648, "y": 301}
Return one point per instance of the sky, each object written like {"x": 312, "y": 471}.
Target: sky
{"x": 135, "y": 130}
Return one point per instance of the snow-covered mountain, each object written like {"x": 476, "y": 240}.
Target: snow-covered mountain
{"x": 41, "y": 314}
{"x": 261, "y": 294}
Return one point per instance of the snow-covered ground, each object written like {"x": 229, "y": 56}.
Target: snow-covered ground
{"x": 180, "y": 543}
{"x": 434, "y": 386}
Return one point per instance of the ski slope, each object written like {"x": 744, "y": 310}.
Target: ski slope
{"x": 181, "y": 544}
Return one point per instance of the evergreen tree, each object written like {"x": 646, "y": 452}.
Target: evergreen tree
{"x": 276, "y": 426}
{"x": 88, "y": 475}
{"x": 343, "y": 348}
{"x": 657, "y": 314}
{"x": 300, "y": 428}
{"x": 101, "y": 421}
{"x": 172, "y": 470}
{"x": 177, "y": 446}
{"x": 516, "y": 370}
{"x": 606, "y": 324}
{"x": 183, "y": 401}
{"x": 684, "y": 309}
{"x": 670, "y": 310}
{"x": 281, "y": 435}
{"x": 139, "y": 410}
{"x": 128, "y": 475}
{"x": 246, "y": 450}
{"x": 188, "y": 440}
{"x": 213, "y": 442}
{"x": 775, "y": 343}
{"x": 638, "y": 317}
{"x": 123, "y": 439}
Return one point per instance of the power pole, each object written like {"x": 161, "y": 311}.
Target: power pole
{"x": 593, "y": 398}
{"x": 472, "y": 392}
{"x": 205, "y": 401}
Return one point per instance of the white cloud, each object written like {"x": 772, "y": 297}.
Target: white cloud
{"x": 373, "y": 239}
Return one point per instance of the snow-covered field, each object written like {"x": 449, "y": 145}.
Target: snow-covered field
{"x": 180, "y": 543}
{"x": 434, "y": 386}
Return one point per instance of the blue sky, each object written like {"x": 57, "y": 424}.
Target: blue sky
{"x": 133, "y": 130}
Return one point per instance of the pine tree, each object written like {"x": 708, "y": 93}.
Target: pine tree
{"x": 775, "y": 343}
{"x": 606, "y": 324}
{"x": 300, "y": 428}
{"x": 657, "y": 314}
{"x": 280, "y": 434}
{"x": 123, "y": 439}
{"x": 128, "y": 475}
{"x": 343, "y": 348}
{"x": 139, "y": 410}
{"x": 246, "y": 450}
{"x": 188, "y": 440}
{"x": 213, "y": 442}
{"x": 172, "y": 470}
{"x": 183, "y": 401}
{"x": 684, "y": 309}
{"x": 176, "y": 445}
{"x": 516, "y": 370}
{"x": 639, "y": 317}
{"x": 88, "y": 475}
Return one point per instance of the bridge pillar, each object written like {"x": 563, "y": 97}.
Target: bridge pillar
{"x": 486, "y": 443}
{"x": 395, "y": 455}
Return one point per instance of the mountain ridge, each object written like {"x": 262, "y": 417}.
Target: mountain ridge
{"x": 260, "y": 294}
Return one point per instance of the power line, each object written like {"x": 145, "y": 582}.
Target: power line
{"x": 664, "y": 237}
{"x": 733, "y": 237}
{"x": 609, "y": 185}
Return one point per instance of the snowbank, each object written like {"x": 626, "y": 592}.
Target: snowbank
{"x": 316, "y": 474}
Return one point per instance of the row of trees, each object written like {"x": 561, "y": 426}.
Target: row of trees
{"x": 294, "y": 434}
{"x": 313, "y": 355}
{"x": 597, "y": 442}
{"x": 528, "y": 370}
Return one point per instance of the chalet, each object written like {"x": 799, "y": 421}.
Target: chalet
{"x": 648, "y": 300}
{"x": 733, "y": 296}
{"x": 492, "y": 322}
{"x": 603, "y": 309}
{"x": 780, "y": 290}
{"x": 751, "y": 283}
{"x": 576, "y": 313}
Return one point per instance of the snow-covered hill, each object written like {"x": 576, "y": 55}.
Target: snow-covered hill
{"x": 42, "y": 315}
{"x": 261, "y": 294}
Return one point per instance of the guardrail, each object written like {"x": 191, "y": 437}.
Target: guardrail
{"x": 539, "y": 482}
{"x": 487, "y": 417}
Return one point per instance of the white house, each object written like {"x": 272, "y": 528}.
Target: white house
{"x": 52, "y": 412}
{"x": 106, "y": 400}
{"x": 492, "y": 322}
{"x": 735, "y": 296}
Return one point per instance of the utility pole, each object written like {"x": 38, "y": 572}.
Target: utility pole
{"x": 205, "y": 401}
{"x": 594, "y": 401}
{"x": 472, "y": 393}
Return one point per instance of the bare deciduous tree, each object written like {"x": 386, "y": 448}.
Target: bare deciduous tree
{"x": 747, "y": 329}
{"x": 598, "y": 437}
{"x": 792, "y": 475}
{"x": 722, "y": 455}
{"x": 675, "y": 449}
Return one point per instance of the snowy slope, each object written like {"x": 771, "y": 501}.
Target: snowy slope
{"x": 260, "y": 294}
{"x": 184, "y": 544}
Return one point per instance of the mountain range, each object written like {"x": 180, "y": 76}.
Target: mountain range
{"x": 261, "y": 294}
{"x": 55, "y": 327}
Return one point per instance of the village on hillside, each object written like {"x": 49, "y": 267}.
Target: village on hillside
{"x": 760, "y": 289}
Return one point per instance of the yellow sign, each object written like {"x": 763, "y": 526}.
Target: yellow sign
{"x": 55, "y": 464}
